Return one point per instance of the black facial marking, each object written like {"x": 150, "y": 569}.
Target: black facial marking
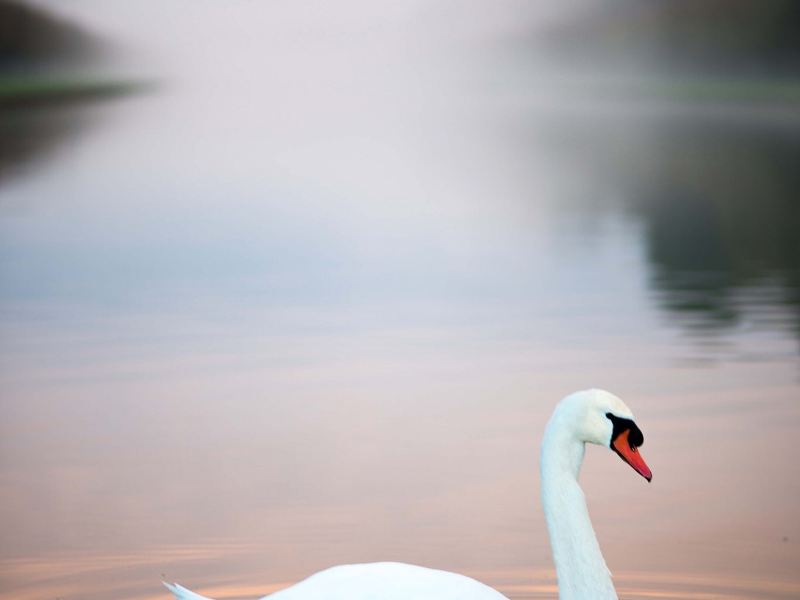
{"x": 635, "y": 437}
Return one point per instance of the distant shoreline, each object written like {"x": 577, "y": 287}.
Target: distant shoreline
{"x": 23, "y": 92}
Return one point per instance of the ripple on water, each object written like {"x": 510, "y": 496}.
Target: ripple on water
{"x": 666, "y": 586}
{"x": 137, "y": 577}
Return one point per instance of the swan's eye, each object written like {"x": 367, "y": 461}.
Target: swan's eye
{"x": 635, "y": 436}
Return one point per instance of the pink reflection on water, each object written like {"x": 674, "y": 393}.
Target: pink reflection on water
{"x": 132, "y": 576}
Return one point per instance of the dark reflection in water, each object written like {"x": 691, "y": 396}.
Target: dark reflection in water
{"x": 721, "y": 217}
{"x": 717, "y": 201}
{"x": 28, "y": 136}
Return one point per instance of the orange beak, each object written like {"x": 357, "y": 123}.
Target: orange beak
{"x": 630, "y": 454}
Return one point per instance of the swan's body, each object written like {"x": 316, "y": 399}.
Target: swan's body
{"x": 591, "y": 416}
{"x": 376, "y": 581}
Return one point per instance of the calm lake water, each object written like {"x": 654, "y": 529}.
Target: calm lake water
{"x": 312, "y": 300}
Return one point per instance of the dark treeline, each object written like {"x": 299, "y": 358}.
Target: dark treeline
{"x": 736, "y": 36}
{"x": 31, "y": 39}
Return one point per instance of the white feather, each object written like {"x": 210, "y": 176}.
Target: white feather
{"x": 181, "y": 593}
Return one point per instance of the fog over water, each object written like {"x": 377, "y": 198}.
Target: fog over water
{"x": 311, "y": 298}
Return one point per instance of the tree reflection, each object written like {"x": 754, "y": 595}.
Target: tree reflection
{"x": 717, "y": 200}
{"x": 722, "y": 219}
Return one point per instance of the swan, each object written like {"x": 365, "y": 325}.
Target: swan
{"x": 593, "y": 416}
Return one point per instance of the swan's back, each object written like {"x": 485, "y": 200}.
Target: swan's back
{"x": 387, "y": 581}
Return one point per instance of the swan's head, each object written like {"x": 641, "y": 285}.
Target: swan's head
{"x": 599, "y": 417}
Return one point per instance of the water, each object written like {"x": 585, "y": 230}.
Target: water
{"x": 313, "y": 300}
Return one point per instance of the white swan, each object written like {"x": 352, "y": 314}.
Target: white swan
{"x": 593, "y": 416}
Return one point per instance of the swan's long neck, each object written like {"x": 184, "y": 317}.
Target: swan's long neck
{"x": 581, "y": 569}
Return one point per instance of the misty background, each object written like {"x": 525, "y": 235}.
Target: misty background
{"x": 285, "y": 285}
